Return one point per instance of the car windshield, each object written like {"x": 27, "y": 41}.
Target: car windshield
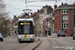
{"x": 61, "y": 32}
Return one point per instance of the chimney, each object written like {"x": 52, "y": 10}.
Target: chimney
{"x": 55, "y": 6}
{"x": 46, "y": 5}
{"x": 15, "y": 16}
{"x": 45, "y": 9}
{"x": 37, "y": 10}
{"x": 74, "y": 4}
{"x": 62, "y": 3}
{"x": 31, "y": 13}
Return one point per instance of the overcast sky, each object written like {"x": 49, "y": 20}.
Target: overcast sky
{"x": 15, "y": 7}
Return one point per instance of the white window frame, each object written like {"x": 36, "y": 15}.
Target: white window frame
{"x": 65, "y": 26}
{"x": 48, "y": 23}
{"x": 65, "y": 18}
{"x": 64, "y": 11}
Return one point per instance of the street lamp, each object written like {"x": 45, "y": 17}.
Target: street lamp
{"x": 62, "y": 23}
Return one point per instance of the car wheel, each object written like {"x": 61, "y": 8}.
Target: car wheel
{"x": 64, "y": 36}
{"x": 73, "y": 38}
{"x": 19, "y": 41}
{"x": 1, "y": 39}
{"x": 58, "y": 36}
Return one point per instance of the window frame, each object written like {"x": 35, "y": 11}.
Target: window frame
{"x": 65, "y": 18}
{"x": 64, "y": 11}
{"x": 65, "y": 24}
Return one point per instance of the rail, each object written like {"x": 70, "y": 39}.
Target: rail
{"x": 36, "y": 45}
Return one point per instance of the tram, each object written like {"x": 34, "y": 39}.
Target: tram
{"x": 26, "y": 31}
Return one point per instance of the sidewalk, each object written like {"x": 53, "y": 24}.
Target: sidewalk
{"x": 53, "y": 35}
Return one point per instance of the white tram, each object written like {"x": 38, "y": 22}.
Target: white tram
{"x": 26, "y": 30}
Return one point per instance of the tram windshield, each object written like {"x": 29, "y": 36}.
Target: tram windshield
{"x": 25, "y": 28}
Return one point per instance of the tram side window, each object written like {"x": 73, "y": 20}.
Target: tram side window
{"x": 20, "y": 29}
{"x": 32, "y": 30}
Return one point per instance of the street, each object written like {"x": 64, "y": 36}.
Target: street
{"x": 13, "y": 44}
{"x": 48, "y": 43}
{"x": 58, "y": 43}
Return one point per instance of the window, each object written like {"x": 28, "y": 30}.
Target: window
{"x": 25, "y": 27}
{"x": 61, "y": 11}
{"x": 64, "y": 11}
{"x": 65, "y": 17}
{"x": 65, "y": 25}
{"x": 67, "y": 11}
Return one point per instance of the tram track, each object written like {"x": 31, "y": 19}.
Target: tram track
{"x": 62, "y": 45}
{"x": 19, "y": 46}
{"x": 34, "y": 47}
{"x": 51, "y": 46}
{"x": 68, "y": 46}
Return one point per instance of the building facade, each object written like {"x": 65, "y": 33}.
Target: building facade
{"x": 64, "y": 18}
{"x": 45, "y": 25}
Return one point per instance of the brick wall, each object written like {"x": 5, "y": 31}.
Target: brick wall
{"x": 57, "y": 22}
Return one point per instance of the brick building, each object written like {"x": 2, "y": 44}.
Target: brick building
{"x": 64, "y": 18}
{"x": 45, "y": 21}
{"x": 40, "y": 19}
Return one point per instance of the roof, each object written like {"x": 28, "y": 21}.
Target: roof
{"x": 21, "y": 19}
{"x": 14, "y": 20}
{"x": 27, "y": 19}
{"x": 65, "y": 6}
{"x": 32, "y": 15}
{"x": 39, "y": 12}
{"x": 23, "y": 14}
{"x": 36, "y": 14}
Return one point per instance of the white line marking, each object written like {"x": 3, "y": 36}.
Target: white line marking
{"x": 68, "y": 45}
{"x": 49, "y": 45}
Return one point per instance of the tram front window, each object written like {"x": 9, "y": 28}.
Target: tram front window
{"x": 25, "y": 29}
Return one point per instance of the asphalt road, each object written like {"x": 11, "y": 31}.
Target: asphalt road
{"x": 13, "y": 44}
{"x": 56, "y": 43}
{"x": 48, "y": 43}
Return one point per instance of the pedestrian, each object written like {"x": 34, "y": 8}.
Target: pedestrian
{"x": 46, "y": 32}
{"x": 49, "y": 32}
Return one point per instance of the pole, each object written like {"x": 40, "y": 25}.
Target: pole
{"x": 26, "y": 3}
{"x": 62, "y": 23}
{"x": 47, "y": 22}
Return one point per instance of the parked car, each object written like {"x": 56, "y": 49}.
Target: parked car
{"x": 1, "y": 37}
{"x": 61, "y": 33}
{"x": 73, "y": 36}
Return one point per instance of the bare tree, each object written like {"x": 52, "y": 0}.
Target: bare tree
{"x": 3, "y": 19}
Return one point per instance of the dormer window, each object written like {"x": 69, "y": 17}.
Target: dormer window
{"x": 64, "y": 11}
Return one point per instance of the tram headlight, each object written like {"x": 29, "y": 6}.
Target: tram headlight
{"x": 19, "y": 36}
{"x": 32, "y": 36}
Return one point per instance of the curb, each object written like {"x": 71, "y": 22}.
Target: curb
{"x": 36, "y": 44}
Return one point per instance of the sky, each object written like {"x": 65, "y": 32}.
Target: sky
{"x": 15, "y": 7}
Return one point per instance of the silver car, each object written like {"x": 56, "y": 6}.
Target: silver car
{"x": 1, "y": 37}
{"x": 61, "y": 33}
{"x": 74, "y": 36}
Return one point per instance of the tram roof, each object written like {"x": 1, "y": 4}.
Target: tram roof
{"x": 26, "y": 19}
